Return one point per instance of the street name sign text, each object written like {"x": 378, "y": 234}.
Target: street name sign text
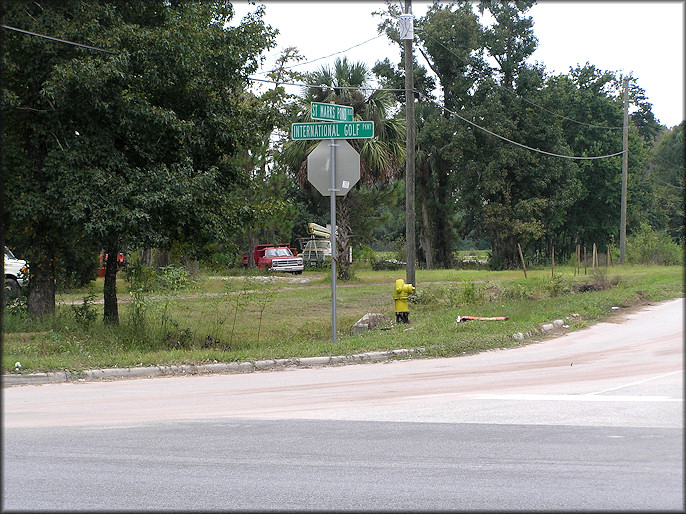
{"x": 333, "y": 130}
{"x": 331, "y": 112}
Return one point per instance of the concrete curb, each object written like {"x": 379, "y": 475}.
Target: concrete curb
{"x": 18, "y": 379}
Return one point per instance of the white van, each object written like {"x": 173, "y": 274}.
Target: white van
{"x": 15, "y": 272}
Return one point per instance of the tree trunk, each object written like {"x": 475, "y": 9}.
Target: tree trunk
{"x": 343, "y": 237}
{"x": 426, "y": 237}
{"x": 161, "y": 259}
{"x": 146, "y": 256}
{"x": 252, "y": 243}
{"x": 111, "y": 309}
{"x": 41, "y": 299}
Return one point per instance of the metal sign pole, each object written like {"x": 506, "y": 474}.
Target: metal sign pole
{"x": 334, "y": 255}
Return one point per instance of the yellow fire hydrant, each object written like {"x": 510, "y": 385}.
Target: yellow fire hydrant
{"x": 400, "y": 295}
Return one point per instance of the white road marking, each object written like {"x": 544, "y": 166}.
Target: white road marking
{"x": 592, "y": 397}
{"x": 650, "y": 379}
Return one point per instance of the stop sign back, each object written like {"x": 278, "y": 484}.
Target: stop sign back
{"x": 347, "y": 167}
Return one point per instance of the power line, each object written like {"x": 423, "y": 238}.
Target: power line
{"x": 324, "y": 86}
{"x": 57, "y": 39}
{"x": 518, "y": 96}
{"x": 449, "y": 111}
{"x": 325, "y": 57}
{"x": 525, "y": 146}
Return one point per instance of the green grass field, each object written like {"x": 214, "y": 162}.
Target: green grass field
{"x": 221, "y": 318}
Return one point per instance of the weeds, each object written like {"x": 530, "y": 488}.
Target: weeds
{"x": 293, "y": 319}
{"x": 263, "y": 297}
{"x": 558, "y": 286}
{"x": 85, "y": 314}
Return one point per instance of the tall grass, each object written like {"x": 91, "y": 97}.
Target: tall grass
{"x": 231, "y": 318}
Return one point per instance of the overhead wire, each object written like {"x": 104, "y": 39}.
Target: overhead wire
{"x": 58, "y": 39}
{"x": 454, "y": 114}
{"x": 353, "y": 88}
{"x": 519, "y": 96}
{"x": 325, "y": 86}
{"x": 325, "y": 57}
{"x": 525, "y": 146}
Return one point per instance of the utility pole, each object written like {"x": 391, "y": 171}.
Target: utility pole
{"x": 625, "y": 173}
{"x": 407, "y": 35}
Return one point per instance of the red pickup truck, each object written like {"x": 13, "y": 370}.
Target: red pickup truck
{"x": 276, "y": 258}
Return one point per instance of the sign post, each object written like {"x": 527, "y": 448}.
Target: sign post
{"x": 334, "y": 250}
{"x": 338, "y": 127}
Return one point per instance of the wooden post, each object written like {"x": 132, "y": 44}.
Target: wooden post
{"x": 578, "y": 259}
{"x": 552, "y": 272}
{"x": 585, "y": 264}
{"x": 625, "y": 172}
{"x": 594, "y": 258}
{"x": 410, "y": 250}
{"x": 607, "y": 258}
{"x": 577, "y": 262}
{"x": 521, "y": 256}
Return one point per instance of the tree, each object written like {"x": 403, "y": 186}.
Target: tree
{"x": 592, "y": 103}
{"x": 32, "y": 130}
{"x": 271, "y": 215}
{"x": 510, "y": 40}
{"x": 380, "y": 158}
{"x": 488, "y": 158}
{"x": 449, "y": 38}
{"x": 666, "y": 174}
{"x": 136, "y": 148}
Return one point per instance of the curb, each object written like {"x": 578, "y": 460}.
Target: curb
{"x": 191, "y": 369}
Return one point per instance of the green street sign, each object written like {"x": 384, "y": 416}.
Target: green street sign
{"x": 331, "y": 112}
{"x": 333, "y": 130}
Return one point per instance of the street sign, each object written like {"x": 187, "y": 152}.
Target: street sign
{"x": 347, "y": 164}
{"x": 331, "y": 112}
{"x": 333, "y": 130}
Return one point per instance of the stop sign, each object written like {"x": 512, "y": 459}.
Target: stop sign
{"x": 347, "y": 167}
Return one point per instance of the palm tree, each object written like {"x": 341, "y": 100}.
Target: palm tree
{"x": 381, "y": 158}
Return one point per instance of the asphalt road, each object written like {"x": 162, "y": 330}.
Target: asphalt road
{"x": 589, "y": 421}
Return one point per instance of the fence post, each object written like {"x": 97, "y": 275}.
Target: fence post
{"x": 594, "y": 258}
{"x": 521, "y": 256}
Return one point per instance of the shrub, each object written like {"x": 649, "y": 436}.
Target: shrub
{"x": 140, "y": 276}
{"x": 648, "y": 246}
{"x": 557, "y": 286}
{"x": 85, "y": 314}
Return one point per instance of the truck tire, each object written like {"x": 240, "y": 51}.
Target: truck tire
{"x": 11, "y": 288}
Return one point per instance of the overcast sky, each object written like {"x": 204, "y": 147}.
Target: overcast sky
{"x": 643, "y": 38}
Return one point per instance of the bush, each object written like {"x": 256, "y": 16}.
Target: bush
{"x": 388, "y": 264}
{"x": 85, "y": 314}
{"x": 558, "y": 286}
{"x": 140, "y": 276}
{"x": 648, "y": 246}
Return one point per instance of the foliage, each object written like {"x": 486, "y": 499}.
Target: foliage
{"x": 174, "y": 278}
{"x": 666, "y": 175}
{"x": 140, "y": 276}
{"x": 136, "y": 147}
{"x": 85, "y": 314}
{"x": 648, "y": 246}
{"x": 380, "y": 157}
{"x": 473, "y": 185}
{"x": 199, "y": 328}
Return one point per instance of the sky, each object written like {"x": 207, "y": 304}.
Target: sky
{"x": 644, "y": 39}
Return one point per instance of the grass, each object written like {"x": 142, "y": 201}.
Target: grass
{"x": 249, "y": 317}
